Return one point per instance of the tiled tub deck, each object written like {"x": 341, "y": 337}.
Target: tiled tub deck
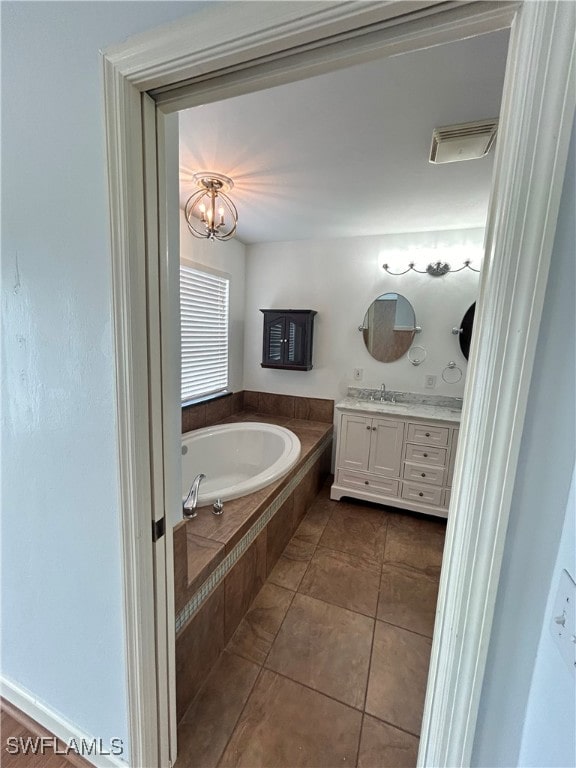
{"x": 221, "y": 563}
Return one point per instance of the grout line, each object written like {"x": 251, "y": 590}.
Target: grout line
{"x": 233, "y": 730}
{"x": 370, "y": 656}
{"x": 315, "y": 690}
{"x": 393, "y": 725}
{"x": 399, "y": 626}
{"x": 337, "y": 605}
{"x": 360, "y": 738}
{"x": 278, "y": 631}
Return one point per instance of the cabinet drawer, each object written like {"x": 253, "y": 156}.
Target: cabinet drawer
{"x": 423, "y": 494}
{"x": 420, "y": 473}
{"x": 367, "y": 483}
{"x": 427, "y": 435}
{"x": 421, "y": 454}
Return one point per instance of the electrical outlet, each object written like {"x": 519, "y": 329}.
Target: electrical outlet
{"x": 430, "y": 381}
{"x": 358, "y": 374}
{"x": 563, "y": 623}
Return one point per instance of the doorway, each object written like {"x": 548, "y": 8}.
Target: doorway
{"x": 491, "y": 427}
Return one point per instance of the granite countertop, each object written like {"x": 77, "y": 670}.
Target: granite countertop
{"x": 411, "y": 405}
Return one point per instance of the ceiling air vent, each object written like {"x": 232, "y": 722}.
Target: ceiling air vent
{"x": 466, "y": 141}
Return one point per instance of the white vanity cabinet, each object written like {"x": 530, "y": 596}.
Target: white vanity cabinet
{"x": 403, "y": 461}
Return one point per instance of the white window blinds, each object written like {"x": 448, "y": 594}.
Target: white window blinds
{"x": 204, "y": 332}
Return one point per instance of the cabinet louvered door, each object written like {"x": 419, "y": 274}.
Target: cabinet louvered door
{"x": 276, "y": 340}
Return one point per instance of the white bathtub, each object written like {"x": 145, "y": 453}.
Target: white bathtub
{"x": 237, "y": 458}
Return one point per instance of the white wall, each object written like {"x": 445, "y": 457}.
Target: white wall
{"x": 229, "y": 257}
{"x": 340, "y": 279}
{"x": 62, "y": 619}
{"x": 538, "y": 514}
{"x": 548, "y": 737}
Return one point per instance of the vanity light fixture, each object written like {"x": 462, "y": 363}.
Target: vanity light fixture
{"x": 434, "y": 269}
{"x": 209, "y": 212}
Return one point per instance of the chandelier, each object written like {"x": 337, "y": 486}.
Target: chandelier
{"x": 210, "y": 214}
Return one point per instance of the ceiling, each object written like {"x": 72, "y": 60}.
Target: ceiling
{"x": 346, "y": 154}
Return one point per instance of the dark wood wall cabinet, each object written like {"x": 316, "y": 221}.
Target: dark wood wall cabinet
{"x": 287, "y": 341}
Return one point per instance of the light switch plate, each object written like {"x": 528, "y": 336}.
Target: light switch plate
{"x": 563, "y": 622}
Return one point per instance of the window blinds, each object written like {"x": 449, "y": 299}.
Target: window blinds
{"x": 204, "y": 332}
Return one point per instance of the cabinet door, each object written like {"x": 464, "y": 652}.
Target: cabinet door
{"x": 274, "y": 335}
{"x": 386, "y": 447}
{"x": 354, "y": 442}
{"x": 295, "y": 340}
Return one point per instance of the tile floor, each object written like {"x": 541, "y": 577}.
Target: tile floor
{"x": 328, "y": 668}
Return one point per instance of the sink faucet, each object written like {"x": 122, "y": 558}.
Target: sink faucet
{"x": 382, "y": 392}
{"x": 189, "y": 506}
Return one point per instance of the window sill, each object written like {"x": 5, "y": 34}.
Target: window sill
{"x": 206, "y": 398}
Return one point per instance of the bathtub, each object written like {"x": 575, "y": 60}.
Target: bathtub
{"x": 237, "y": 458}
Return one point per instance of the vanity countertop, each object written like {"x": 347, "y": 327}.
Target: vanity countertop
{"x": 415, "y": 410}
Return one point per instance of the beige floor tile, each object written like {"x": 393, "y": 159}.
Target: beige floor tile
{"x": 415, "y": 542}
{"x": 408, "y": 599}
{"x": 209, "y": 721}
{"x": 398, "y": 675}
{"x": 382, "y": 746}
{"x": 315, "y": 520}
{"x": 292, "y": 564}
{"x": 257, "y": 630}
{"x": 358, "y": 530}
{"x": 287, "y": 725}
{"x": 325, "y": 647}
{"x": 343, "y": 579}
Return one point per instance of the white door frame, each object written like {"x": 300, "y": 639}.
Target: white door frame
{"x": 239, "y": 47}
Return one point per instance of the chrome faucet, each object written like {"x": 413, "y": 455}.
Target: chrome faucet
{"x": 382, "y": 392}
{"x": 189, "y": 505}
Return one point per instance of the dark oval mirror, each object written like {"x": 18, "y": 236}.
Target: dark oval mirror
{"x": 466, "y": 330}
{"x": 389, "y": 327}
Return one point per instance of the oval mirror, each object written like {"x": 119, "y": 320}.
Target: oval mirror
{"x": 466, "y": 330}
{"x": 389, "y": 327}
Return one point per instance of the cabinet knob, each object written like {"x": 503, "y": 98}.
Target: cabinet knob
{"x": 423, "y": 474}
{"x": 427, "y": 434}
{"x": 366, "y": 482}
{"x": 368, "y": 427}
{"x": 373, "y": 429}
{"x": 425, "y": 455}
{"x": 420, "y": 494}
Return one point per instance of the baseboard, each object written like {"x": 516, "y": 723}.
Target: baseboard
{"x": 56, "y": 725}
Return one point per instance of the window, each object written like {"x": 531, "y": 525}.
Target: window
{"x": 204, "y": 331}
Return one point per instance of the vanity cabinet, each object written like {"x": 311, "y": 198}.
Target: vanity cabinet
{"x": 287, "y": 338}
{"x": 404, "y": 462}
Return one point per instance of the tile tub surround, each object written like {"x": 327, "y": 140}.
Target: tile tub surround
{"x": 221, "y": 563}
{"x": 289, "y": 406}
{"x": 328, "y": 666}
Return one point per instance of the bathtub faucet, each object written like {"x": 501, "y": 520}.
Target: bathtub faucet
{"x": 189, "y": 506}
